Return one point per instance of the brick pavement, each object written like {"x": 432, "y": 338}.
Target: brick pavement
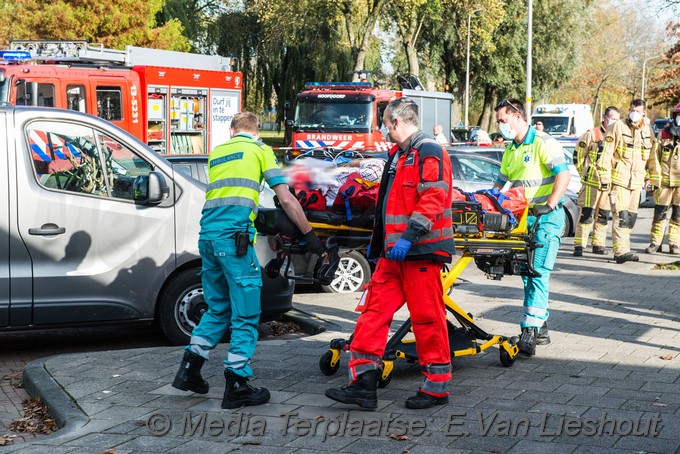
{"x": 613, "y": 365}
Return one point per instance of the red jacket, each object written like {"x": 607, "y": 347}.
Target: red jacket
{"x": 415, "y": 202}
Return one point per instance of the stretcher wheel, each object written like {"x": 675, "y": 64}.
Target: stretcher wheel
{"x": 506, "y": 359}
{"x": 325, "y": 364}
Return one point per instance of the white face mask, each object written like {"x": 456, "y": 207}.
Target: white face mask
{"x": 635, "y": 116}
{"x": 677, "y": 120}
{"x": 610, "y": 121}
{"x": 507, "y": 132}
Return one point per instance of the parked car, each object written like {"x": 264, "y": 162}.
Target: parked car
{"x": 98, "y": 228}
{"x": 659, "y": 124}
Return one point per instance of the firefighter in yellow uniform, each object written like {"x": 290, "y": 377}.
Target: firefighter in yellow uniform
{"x": 627, "y": 149}
{"x": 666, "y": 178}
{"x": 593, "y": 199}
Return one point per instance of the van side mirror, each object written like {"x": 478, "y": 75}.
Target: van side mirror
{"x": 150, "y": 189}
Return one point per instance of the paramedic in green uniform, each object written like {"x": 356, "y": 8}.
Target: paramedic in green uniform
{"x": 535, "y": 160}
{"x": 231, "y": 277}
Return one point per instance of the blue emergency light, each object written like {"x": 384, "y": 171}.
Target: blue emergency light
{"x": 15, "y": 55}
{"x": 337, "y": 85}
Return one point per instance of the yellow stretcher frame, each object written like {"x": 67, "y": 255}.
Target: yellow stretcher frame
{"x": 519, "y": 240}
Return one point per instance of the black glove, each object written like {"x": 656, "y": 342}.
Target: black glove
{"x": 313, "y": 243}
{"x": 542, "y": 209}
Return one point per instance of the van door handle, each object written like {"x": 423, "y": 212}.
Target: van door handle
{"x": 47, "y": 230}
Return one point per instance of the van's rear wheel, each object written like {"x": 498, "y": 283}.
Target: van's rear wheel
{"x": 181, "y": 306}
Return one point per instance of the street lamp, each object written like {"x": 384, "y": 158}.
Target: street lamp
{"x": 467, "y": 69}
{"x": 529, "y": 57}
{"x": 644, "y": 65}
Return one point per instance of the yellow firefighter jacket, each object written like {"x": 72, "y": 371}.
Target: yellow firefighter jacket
{"x": 589, "y": 152}
{"x": 626, "y": 151}
{"x": 666, "y": 161}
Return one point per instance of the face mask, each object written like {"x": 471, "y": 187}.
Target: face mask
{"x": 507, "y": 132}
{"x": 611, "y": 121}
{"x": 635, "y": 116}
{"x": 677, "y": 120}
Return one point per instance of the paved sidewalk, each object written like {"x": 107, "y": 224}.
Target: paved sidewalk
{"x": 608, "y": 383}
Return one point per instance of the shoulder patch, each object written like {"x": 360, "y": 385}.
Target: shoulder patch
{"x": 582, "y": 144}
{"x": 609, "y": 139}
{"x": 430, "y": 148}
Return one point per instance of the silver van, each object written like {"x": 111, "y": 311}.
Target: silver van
{"x": 95, "y": 227}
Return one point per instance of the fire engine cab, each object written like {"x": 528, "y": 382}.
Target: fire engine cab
{"x": 342, "y": 115}
{"x": 348, "y": 116}
{"x": 176, "y": 102}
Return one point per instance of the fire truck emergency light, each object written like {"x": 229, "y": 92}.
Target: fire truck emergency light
{"x": 337, "y": 85}
{"x": 14, "y": 55}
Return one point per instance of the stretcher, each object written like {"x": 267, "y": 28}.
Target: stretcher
{"x": 504, "y": 250}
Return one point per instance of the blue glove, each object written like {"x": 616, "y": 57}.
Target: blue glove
{"x": 399, "y": 250}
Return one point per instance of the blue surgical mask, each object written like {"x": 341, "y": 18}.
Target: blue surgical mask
{"x": 507, "y": 132}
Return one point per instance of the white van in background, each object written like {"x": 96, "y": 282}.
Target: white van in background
{"x": 564, "y": 120}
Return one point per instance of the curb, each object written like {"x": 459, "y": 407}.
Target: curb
{"x": 310, "y": 323}
{"x": 38, "y": 382}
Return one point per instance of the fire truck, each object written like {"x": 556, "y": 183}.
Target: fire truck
{"x": 176, "y": 102}
{"x": 348, "y": 116}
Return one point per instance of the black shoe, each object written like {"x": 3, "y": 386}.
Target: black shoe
{"x": 363, "y": 392}
{"x": 674, "y": 250}
{"x": 239, "y": 393}
{"x": 422, "y": 400}
{"x": 578, "y": 251}
{"x": 652, "y": 248}
{"x": 527, "y": 341}
{"x": 599, "y": 250}
{"x": 543, "y": 337}
{"x": 188, "y": 376}
{"x": 627, "y": 257}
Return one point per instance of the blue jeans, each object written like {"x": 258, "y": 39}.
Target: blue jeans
{"x": 231, "y": 289}
{"x": 537, "y": 289}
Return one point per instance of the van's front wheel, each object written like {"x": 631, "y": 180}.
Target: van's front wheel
{"x": 181, "y": 306}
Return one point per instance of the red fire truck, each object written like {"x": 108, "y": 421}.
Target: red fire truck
{"x": 348, "y": 116}
{"x": 176, "y": 102}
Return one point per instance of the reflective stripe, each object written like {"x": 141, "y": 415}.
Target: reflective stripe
{"x": 422, "y": 187}
{"x": 233, "y": 201}
{"x": 438, "y": 369}
{"x": 366, "y": 356}
{"x": 533, "y": 322}
{"x": 272, "y": 173}
{"x": 422, "y": 220}
{"x": 442, "y": 235}
{"x": 557, "y": 161}
{"x": 195, "y": 340}
{"x": 355, "y": 371}
{"x": 537, "y": 200}
{"x": 234, "y": 182}
{"x": 534, "y": 183}
{"x": 234, "y": 358}
{"x": 436, "y": 387}
{"x": 394, "y": 219}
{"x": 537, "y": 311}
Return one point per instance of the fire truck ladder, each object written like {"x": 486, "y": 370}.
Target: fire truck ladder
{"x": 84, "y": 52}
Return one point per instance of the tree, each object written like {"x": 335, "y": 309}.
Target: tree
{"x": 408, "y": 17}
{"x": 360, "y": 18}
{"x": 113, "y": 23}
{"x": 665, "y": 89}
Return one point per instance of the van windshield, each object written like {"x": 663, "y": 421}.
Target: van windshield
{"x": 553, "y": 125}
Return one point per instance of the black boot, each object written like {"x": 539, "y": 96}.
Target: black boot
{"x": 363, "y": 392}
{"x": 527, "y": 341}
{"x": 543, "y": 337}
{"x": 599, "y": 250}
{"x": 238, "y": 393}
{"x": 188, "y": 376}
{"x": 422, "y": 400}
{"x": 627, "y": 257}
{"x": 578, "y": 251}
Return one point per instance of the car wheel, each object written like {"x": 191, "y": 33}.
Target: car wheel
{"x": 353, "y": 273}
{"x": 568, "y": 224}
{"x": 181, "y": 306}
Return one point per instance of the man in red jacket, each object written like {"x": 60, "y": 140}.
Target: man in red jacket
{"x": 412, "y": 239}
